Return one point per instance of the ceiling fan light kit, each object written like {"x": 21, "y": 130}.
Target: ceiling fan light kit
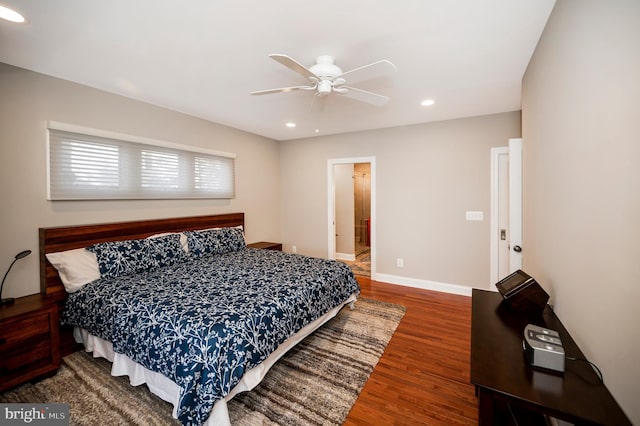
{"x": 326, "y": 77}
{"x": 324, "y": 87}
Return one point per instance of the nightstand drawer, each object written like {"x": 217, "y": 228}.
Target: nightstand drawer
{"x": 23, "y": 328}
{"x": 26, "y": 355}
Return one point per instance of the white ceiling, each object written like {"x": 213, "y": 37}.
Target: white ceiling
{"x": 203, "y": 57}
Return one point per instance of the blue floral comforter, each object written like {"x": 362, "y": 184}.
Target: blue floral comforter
{"x": 204, "y": 322}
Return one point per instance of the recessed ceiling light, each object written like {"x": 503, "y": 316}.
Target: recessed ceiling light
{"x": 290, "y": 124}
{"x": 427, "y": 102}
{"x": 317, "y": 130}
{"x": 11, "y": 15}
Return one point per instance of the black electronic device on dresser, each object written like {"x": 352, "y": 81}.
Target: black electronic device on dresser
{"x": 29, "y": 340}
{"x": 522, "y": 293}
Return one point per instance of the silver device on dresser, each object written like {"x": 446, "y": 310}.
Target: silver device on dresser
{"x": 543, "y": 348}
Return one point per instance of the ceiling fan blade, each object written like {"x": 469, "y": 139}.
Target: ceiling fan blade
{"x": 282, "y": 90}
{"x": 363, "y": 96}
{"x": 368, "y": 72}
{"x": 293, "y": 65}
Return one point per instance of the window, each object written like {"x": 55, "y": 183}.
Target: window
{"x": 87, "y": 167}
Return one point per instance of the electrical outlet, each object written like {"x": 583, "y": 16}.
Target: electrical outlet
{"x": 400, "y": 263}
{"x": 294, "y": 249}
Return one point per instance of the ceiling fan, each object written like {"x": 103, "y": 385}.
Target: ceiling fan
{"x": 325, "y": 77}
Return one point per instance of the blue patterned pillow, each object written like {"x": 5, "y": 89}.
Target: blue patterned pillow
{"x": 119, "y": 258}
{"x": 215, "y": 241}
{"x": 202, "y": 242}
{"x": 128, "y": 257}
{"x": 165, "y": 250}
{"x": 233, "y": 240}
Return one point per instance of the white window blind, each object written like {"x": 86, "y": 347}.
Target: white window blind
{"x": 87, "y": 167}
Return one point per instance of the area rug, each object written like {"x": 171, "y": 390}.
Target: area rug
{"x": 315, "y": 383}
{"x": 362, "y": 265}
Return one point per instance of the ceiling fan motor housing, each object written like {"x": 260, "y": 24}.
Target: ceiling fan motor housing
{"x": 324, "y": 67}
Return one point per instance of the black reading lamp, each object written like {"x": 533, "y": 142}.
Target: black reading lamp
{"x": 19, "y": 256}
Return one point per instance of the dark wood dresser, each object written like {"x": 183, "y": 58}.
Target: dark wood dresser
{"x": 510, "y": 391}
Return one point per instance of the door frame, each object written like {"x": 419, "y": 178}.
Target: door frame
{"x": 515, "y": 203}
{"x": 514, "y": 150}
{"x": 331, "y": 206}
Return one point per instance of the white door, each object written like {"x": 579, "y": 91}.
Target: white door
{"x": 506, "y": 210}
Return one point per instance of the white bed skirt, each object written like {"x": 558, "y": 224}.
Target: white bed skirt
{"x": 169, "y": 391}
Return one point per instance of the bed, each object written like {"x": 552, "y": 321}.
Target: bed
{"x": 184, "y": 306}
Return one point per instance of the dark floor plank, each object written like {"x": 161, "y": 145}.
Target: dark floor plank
{"x": 423, "y": 375}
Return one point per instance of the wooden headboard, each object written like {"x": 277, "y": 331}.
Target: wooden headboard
{"x": 72, "y": 237}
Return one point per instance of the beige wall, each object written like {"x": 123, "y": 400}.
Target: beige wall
{"x": 581, "y": 149}
{"x": 28, "y": 100}
{"x": 427, "y": 175}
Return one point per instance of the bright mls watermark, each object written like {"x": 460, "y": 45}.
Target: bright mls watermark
{"x": 34, "y": 414}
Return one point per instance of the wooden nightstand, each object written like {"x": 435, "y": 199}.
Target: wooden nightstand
{"x": 266, "y": 245}
{"x": 29, "y": 340}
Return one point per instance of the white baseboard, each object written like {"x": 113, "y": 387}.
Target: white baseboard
{"x": 346, "y": 256}
{"x": 424, "y": 284}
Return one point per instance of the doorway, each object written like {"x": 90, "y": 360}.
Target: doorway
{"x": 351, "y": 212}
{"x": 362, "y": 208}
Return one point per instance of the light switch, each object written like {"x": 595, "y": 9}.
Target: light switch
{"x": 473, "y": 215}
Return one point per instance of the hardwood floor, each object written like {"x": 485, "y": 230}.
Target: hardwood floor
{"x": 423, "y": 375}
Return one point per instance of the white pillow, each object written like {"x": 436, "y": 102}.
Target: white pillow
{"x": 76, "y": 268}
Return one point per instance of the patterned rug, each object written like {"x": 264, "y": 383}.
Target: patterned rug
{"x": 315, "y": 383}
{"x": 362, "y": 265}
